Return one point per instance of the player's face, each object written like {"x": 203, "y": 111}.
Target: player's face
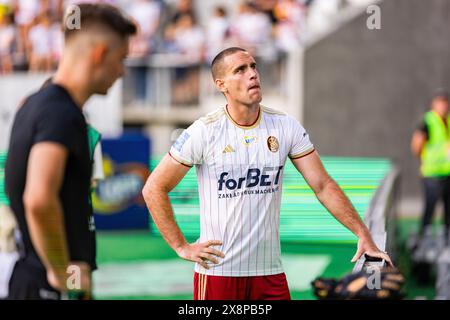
{"x": 112, "y": 67}
{"x": 241, "y": 79}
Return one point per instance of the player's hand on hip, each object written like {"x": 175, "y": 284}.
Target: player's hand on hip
{"x": 202, "y": 253}
{"x": 368, "y": 247}
{"x": 76, "y": 278}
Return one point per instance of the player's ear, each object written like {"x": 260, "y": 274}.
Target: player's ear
{"x": 220, "y": 85}
{"x": 99, "y": 53}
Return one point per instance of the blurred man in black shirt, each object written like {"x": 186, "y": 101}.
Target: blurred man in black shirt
{"x": 48, "y": 170}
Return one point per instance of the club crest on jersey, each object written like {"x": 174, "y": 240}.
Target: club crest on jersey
{"x": 272, "y": 144}
{"x": 248, "y": 140}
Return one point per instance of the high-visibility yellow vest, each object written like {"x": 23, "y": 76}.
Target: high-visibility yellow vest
{"x": 435, "y": 155}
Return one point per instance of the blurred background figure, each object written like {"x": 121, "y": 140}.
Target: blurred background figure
{"x": 217, "y": 32}
{"x": 289, "y": 30}
{"x": 182, "y": 7}
{"x": 251, "y": 28}
{"x": 40, "y": 41}
{"x": 267, "y": 7}
{"x": 7, "y": 36}
{"x": 55, "y": 8}
{"x": 265, "y": 27}
{"x": 431, "y": 143}
{"x": 189, "y": 38}
{"x": 147, "y": 14}
{"x": 189, "y": 41}
{"x": 57, "y": 39}
{"x": 26, "y": 12}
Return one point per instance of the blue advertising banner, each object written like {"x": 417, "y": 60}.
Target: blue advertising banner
{"x": 117, "y": 199}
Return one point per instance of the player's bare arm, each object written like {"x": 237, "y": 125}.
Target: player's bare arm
{"x": 337, "y": 203}
{"x": 163, "y": 179}
{"x": 44, "y": 213}
{"x": 418, "y": 142}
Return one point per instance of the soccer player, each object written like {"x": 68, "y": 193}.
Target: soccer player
{"x": 239, "y": 152}
{"x": 48, "y": 170}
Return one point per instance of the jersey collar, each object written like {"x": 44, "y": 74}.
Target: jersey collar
{"x": 251, "y": 126}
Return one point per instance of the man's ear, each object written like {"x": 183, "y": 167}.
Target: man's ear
{"x": 99, "y": 53}
{"x": 220, "y": 85}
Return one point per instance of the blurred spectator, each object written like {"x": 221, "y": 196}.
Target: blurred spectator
{"x": 252, "y": 29}
{"x": 189, "y": 38}
{"x": 147, "y": 14}
{"x": 169, "y": 44}
{"x": 7, "y": 36}
{"x": 182, "y": 7}
{"x": 57, "y": 39}
{"x": 26, "y": 12}
{"x": 290, "y": 28}
{"x": 40, "y": 41}
{"x": 70, "y": 2}
{"x": 217, "y": 32}
{"x": 267, "y": 7}
{"x": 54, "y": 7}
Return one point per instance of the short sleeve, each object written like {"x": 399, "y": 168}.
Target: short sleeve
{"x": 301, "y": 144}
{"x": 188, "y": 148}
{"x": 57, "y": 125}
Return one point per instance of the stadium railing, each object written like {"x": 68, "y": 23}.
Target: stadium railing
{"x": 380, "y": 219}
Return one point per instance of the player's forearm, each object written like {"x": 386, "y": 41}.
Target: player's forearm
{"x": 47, "y": 230}
{"x": 337, "y": 203}
{"x": 161, "y": 210}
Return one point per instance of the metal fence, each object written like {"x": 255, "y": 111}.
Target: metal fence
{"x": 380, "y": 218}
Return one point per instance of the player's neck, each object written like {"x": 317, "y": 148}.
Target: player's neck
{"x": 244, "y": 115}
{"x": 73, "y": 82}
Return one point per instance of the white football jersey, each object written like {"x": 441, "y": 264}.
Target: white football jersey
{"x": 240, "y": 172}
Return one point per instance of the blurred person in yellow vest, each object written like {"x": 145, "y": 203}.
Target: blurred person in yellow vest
{"x": 431, "y": 143}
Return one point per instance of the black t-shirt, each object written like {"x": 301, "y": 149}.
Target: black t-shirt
{"x": 51, "y": 115}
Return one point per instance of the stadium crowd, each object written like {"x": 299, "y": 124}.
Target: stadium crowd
{"x": 31, "y": 32}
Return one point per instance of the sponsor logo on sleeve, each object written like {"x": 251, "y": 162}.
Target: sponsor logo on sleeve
{"x": 178, "y": 145}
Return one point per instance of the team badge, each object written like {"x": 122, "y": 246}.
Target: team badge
{"x": 273, "y": 144}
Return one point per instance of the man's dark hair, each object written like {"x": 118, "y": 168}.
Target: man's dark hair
{"x": 103, "y": 15}
{"x": 216, "y": 65}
